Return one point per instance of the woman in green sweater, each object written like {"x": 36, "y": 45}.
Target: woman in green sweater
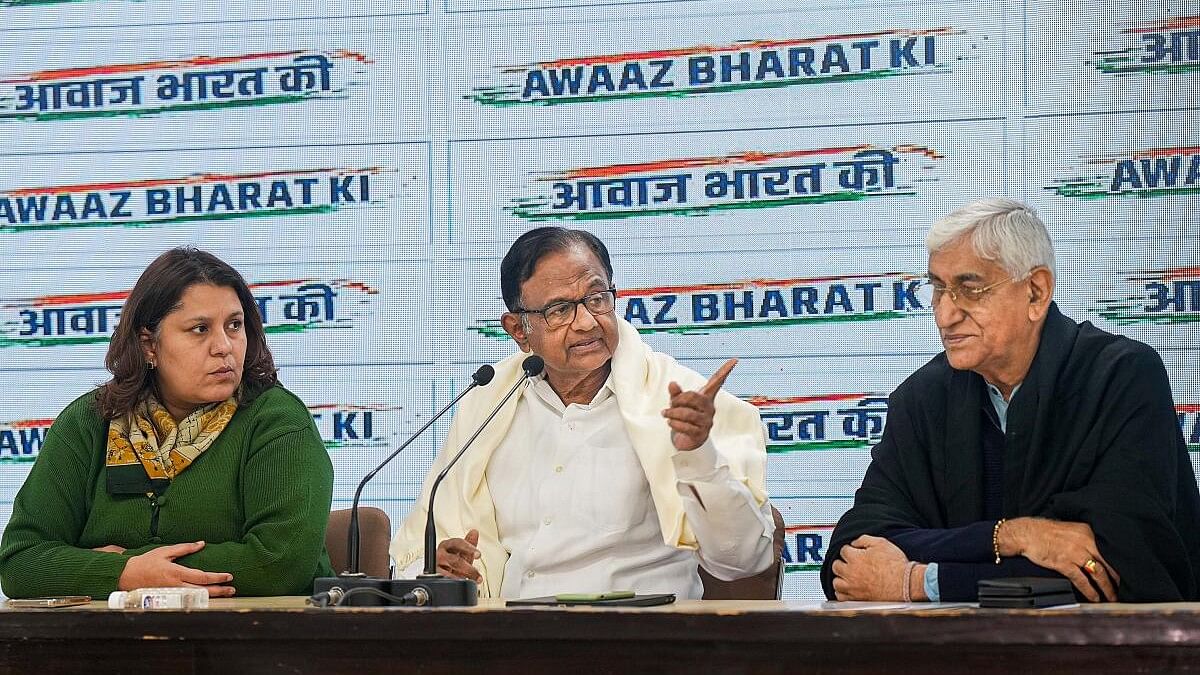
{"x": 192, "y": 466}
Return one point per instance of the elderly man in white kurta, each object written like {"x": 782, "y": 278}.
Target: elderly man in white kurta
{"x": 616, "y": 469}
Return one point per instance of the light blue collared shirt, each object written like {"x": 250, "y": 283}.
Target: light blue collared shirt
{"x": 1000, "y": 404}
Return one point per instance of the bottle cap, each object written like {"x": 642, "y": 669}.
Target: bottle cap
{"x": 116, "y": 599}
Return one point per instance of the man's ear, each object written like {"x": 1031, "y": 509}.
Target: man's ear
{"x": 1041, "y": 292}
{"x": 516, "y": 330}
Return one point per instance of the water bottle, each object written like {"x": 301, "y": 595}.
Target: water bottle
{"x": 159, "y": 598}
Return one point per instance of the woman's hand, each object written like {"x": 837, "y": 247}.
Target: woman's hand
{"x": 158, "y": 568}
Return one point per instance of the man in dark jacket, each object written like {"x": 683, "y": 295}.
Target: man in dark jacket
{"x": 1032, "y": 446}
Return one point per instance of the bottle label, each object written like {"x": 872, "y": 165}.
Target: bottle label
{"x": 155, "y": 601}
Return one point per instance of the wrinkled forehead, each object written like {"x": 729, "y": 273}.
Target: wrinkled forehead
{"x": 565, "y": 275}
{"x": 959, "y": 263}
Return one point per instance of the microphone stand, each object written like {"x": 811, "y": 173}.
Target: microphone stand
{"x": 478, "y": 379}
{"x": 444, "y": 591}
{"x": 429, "y": 588}
{"x": 336, "y": 589}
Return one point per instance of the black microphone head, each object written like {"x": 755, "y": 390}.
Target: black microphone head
{"x": 484, "y": 375}
{"x": 533, "y": 365}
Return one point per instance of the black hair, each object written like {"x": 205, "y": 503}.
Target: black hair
{"x": 531, "y": 247}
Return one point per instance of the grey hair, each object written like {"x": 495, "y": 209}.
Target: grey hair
{"x": 1004, "y": 231}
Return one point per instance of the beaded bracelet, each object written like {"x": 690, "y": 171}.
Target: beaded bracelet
{"x": 996, "y": 539}
{"x": 908, "y": 570}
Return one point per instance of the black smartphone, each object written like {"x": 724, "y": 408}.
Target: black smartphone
{"x": 646, "y": 600}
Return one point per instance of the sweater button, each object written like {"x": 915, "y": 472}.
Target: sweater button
{"x": 155, "y": 540}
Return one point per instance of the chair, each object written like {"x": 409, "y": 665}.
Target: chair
{"x": 375, "y": 534}
{"x": 766, "y": 585}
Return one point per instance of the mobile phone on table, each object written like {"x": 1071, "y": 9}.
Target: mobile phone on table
{"x": 608, "y": 599}
{"x": 593, "y": 597}
{"x": 47, "y": 603}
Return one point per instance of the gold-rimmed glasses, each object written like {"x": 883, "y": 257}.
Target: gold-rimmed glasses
{"x": 965, "y": 296}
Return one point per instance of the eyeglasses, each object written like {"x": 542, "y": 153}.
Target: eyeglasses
{"x": 965, "y": 297}
{"x": 559, "y": 314}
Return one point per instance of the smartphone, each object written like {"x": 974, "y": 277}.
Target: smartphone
{"x": 610, "y": 599}
{"x": 43, "y": 603}
{"x": 593, "y": 597}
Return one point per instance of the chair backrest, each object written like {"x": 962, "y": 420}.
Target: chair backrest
{"x": 374, "y": 536}
{"x": 766, "y": 585}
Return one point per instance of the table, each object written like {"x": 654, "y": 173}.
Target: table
{"x": 280, "y": 635}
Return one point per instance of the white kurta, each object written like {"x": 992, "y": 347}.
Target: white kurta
{"x": 574, "y": 510}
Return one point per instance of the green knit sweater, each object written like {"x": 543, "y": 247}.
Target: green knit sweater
{"x": 259, "y": 496}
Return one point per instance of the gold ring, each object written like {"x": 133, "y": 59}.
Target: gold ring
{"x": 1091, "y": 566}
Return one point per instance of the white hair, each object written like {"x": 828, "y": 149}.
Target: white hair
{"x": 1003, "y": 231}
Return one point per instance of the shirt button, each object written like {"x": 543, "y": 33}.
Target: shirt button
{"x": 558, "y": 469}
{"x": 545, "y": 521}
{"x": 530, "y": 574}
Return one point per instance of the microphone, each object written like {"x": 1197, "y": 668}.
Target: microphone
{"x": 351, "y": 578}
{"x": 431, "y": 588}
{"x": 480, "y": 378}
{"x": 532, "y": 365}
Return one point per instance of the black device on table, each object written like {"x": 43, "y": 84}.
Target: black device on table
{"x": 1025, "y": 592}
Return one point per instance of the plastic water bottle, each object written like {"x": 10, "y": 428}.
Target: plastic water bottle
{"x": 159, "y": 598}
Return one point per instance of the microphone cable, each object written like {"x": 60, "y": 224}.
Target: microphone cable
{"x": 336, "y": 597}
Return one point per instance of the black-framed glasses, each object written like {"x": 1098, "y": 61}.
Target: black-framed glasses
{"x": 559, "y": 314}
{"x": 966, "y": 297}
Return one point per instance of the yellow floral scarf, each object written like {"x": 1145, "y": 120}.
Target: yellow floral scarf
{"x": 147, "y": 448}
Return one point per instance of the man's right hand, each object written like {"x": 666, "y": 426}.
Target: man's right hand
{"x": 455, "y": 557}
{"x": 1064, "y": 547}
{"x": 158, "y": 568}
